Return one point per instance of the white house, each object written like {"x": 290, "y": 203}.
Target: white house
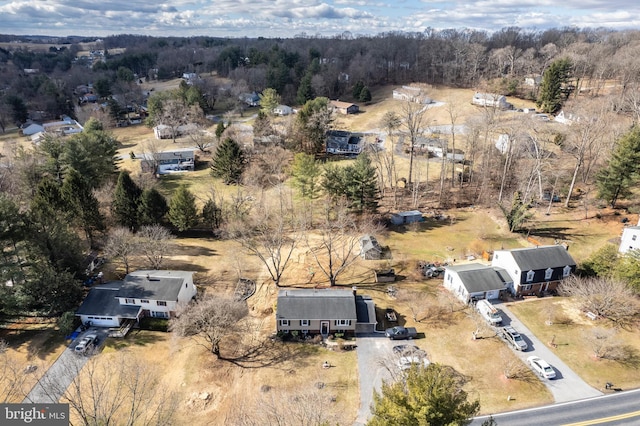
{"x": 283, "y": 110}
{"x": 412, "y": 93}
{"x": 566, "y": 118}
{"x": 630, "y": 239}
{"x": 535, "y": 270}
{"x": 474, "y": 281}
{"x": 144, "y": 293}
{"x": 491, "y": 100}
{"x": 169, "y": 161}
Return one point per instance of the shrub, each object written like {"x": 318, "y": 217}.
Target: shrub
{"x": 154, "y": 324}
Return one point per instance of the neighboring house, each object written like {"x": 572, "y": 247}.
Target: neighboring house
{"x": 32, "y": 129}
{"x": 535, "y": 270}
{"x": 370, "y": 248}
{"x": 342, "y": 142}
{"x": 475, "y": 281}
{"x": 66, "y": 126}
{"x": 630, "y": 239}
{"x": 344, "y": 107}
{"x": 491, "y": 100}
{"x": 167, "y": 161}
{"x": 283, "y": 110}
{"x": 324, "y": 311}
{"x": 566, "y": 118}
{"x": 402, "y": 218}
{"x": 162, "y": 131}
{"x": 145, "y": 293}
{"x": 251, "y": 99}
{"x": 412, "y": 94}
{"x": 533, "y": 80}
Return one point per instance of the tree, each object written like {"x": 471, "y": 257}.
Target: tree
{"x": 518, "y": 214}
{"x": 220, "y": 128}
{"x": 615, "y": 181}
{"x": 82, "y": 204}
{"x": 431, "y": 395}
{"x": 357, "y": 89}
{"x": 49, "y": 291}
{"x": 229, "y": 162}
{"x": 305, "y": 89}
{"x": 152, "y": 208}
{"x": 357, "y": 183}
{"x": 313, "y": 121}
{"x": 67, "y": 323}
{"x": 126, "y": 199}
{"x": 121, "y": 246}
{"x": 13, "y": 380}
{"x": 305, "y": 173}
{"x": 552, "y": 92}
{"x": 269, "y": 100}
{"x": 182, "y": 209}
{"x": 210, "y": 319}
{"x": 365, "y": 95}
{"x": 414, "y": 116}
{"x": 154, "y": 243}
{"x": 212, "y": 214}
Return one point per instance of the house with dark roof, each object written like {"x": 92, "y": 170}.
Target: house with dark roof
{"x": 344, "y": 107}
{"x": 324, "y": 311}
{"x": 535, "y": 270}
{"x": 474, "y": 281}
{"x": 144, "y": 293}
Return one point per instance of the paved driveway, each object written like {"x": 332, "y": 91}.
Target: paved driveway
{"x": 567, "y": 386}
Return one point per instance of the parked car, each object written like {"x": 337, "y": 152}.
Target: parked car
{"x": 541, "y": 367}
{"x": 514, "y": 338}
{"x": 85, "y": 343}
{"x": 489, "y": 312}
{"x": 406, "y": 362}
{"x": 400, "y": 333}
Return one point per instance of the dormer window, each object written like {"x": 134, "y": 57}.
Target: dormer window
{"x": 566, "y": 271}
{"x": 530, "y": 275}
{"x": 548, "y": 273}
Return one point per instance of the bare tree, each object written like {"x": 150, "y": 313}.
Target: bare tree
{"x": 154, "y": 243}
{"x": 13, "y": 375}
{"x": 513, "y": 367}
{"x": 414, "y": 121}
{"x": 202, "y": 139}
{"x": 601, "y": 340}
{"x": 122, "y": 246}
{"x": 415, "y": 302}
{"x": 209, "y": 320}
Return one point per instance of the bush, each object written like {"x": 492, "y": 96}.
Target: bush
{"x": 154, "y": 324}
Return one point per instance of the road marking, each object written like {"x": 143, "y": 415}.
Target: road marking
{"x": 605, "y": 419}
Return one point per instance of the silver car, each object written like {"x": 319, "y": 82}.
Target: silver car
{"x": 85, "y": 343}
{"x": 541, "y": 367}
{"x": 514, "y": 338}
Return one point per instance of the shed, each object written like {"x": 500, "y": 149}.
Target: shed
{"x": 370, "y": 248}
{"x": 403, "y": 218}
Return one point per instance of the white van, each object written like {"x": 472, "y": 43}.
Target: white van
{"x": 489, "y": 312}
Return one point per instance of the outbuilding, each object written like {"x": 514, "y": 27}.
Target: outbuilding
{"x": 402, "y": 218}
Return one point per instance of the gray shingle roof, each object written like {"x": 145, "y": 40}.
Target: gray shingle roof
{"x": 479, "y": 278}
{"x": 316, "y": 304}
{"x": 542, "y": 257}
{"x": 102, "y": 301}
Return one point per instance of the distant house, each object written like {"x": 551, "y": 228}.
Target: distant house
{"x": 402, "y": 218}
{"x": 342, "y": 142}
{"x": 475, "y": 281}
{"x": 412, "y": 93}
{"x": 566, "y": 118}
{"x": 535, "y": 270}
{"x": 370, "y": 248}
{"x": 162, "y": 131}
{"x": 491, "y": 100}
{"x": 344, "y": 107}
{"x": 630, "y": 239}
{"x": 324, "y": 311}
{"x": 145, "y": 293}
{"x": 251, "y": 99}
{"x": 32, "y": 129}
{"x": 66, "y": 126}
{"x": 283, "y": 110}
{"x": 169, "y": 161}
{"x": 533, "y": 80}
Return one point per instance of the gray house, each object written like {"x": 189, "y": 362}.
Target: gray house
{"x": 324, "y": 311}
{"x": 475, "y": 281}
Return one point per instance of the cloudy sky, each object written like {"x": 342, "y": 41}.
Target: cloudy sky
{"x": 287, "y": 18}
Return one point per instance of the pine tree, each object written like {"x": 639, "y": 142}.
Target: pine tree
{"x": 361, "y": 185}
{"x": 82, "y": 204}
{"x": 365, "y": 95}
{"x": 212, "y": 214}
{"x": 153, "y": 206}
{"x": 305, "y": 90}
{"x": 551, "y": 88}
{"x": 228, "y": 163}
{"x": 126, "y": 199}
{"x": 357, "y": 89}
{"x": 269, "y": 99}
{"x": 182, "y": 209}
{"x": 305, "y": 172}
{"x": 220, "y": 128}
{"x": 615, "y": 181}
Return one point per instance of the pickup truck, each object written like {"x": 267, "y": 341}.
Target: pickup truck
{"x": 400, "y": 333}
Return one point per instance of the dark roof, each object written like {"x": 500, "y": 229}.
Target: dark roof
{"x": 102, "y": 301}
{"x": 542, "y": 257}
{"x": 362, "y": 309}
{"x": 152, "y": 284}
{"x": 478, "y": 278}
{"x": 316, "y": 304}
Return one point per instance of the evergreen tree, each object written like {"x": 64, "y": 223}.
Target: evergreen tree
{"x": 518, "y": 214}
{"x": 153, "y": 206}
{"x": 431, "y": 395}
{"x": 182, "y": 209}
{"x": 365, "y": 95}
{"x": 357, "y": 89}
{"x": 554, "y": 78}
{"x": 313, "y": 122}
{"x": 228, "y": 163}
{"x": 305, "y": 171}
{"x": 361, "y": 185}
{"x": 305, "y": 90}
{"x": 615, "y": 181}
{"x": 269, "y": 99}
{"x": 82, "y": 204}
{"x": 220, "y": 128}
{"x": 126, "y": 199}
{"x": 212, "y": 214}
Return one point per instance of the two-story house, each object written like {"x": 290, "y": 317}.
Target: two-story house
{"x": 144, "y": 293}
{"x": 535, "y": 270}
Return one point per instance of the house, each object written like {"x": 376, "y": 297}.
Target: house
{"x": 66, "y": 126}
{"x": 251, "y": 99}
{"x": 162, "y": 131}
{"x": 491, "y": 100}
{"x": 344, "y": 107}
{"x": 412, "y": 93}
{"x": 566, "y": 118}
{"x": 370, "y": 248}
{"x": 474, "y": 281}
{"x": 402, "y": 218}
{"x": 168, "y": 161}
{"x": 533, "y": 80}
{"x": 324, "y": 311}
{"x": 342, "y": 142}
{"x": 535, "y": 270}
{"x": 283, "y": 110}
{"x": 630, "y": 239}
{"x": 144, "y": 293}
{"x": 32, "y": 129}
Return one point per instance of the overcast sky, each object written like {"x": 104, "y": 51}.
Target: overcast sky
{"x": 287, "y": 18}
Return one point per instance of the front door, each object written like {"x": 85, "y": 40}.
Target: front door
{"x": 324, "y": 328}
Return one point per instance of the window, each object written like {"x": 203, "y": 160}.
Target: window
{"x": 304, "y": 323}
{"x": 530, "y": 275}
{"x": 284, "y": 323}
{"x": 156, "y": 314}
{"x": 548, "y": 273}
{"x": 186, "y": 285}
{"x": 130, "y": 301}
{"x": 526, "y": 287}
{"x": 144, "y": 301}
{"x": 343, "y": 322}
{"x": 161, "y": 303}
{"x": 566, "y": 271}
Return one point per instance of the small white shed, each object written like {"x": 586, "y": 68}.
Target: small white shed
{"x": 402, "y": 218}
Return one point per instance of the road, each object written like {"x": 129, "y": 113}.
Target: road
{"x": 617, "y": 409}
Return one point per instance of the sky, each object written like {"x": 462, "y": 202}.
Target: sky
{"x": 289, "y": 18}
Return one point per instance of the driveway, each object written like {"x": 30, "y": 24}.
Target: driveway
{"x": 567, "y": 386}
{"x": 55, "y": 381}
